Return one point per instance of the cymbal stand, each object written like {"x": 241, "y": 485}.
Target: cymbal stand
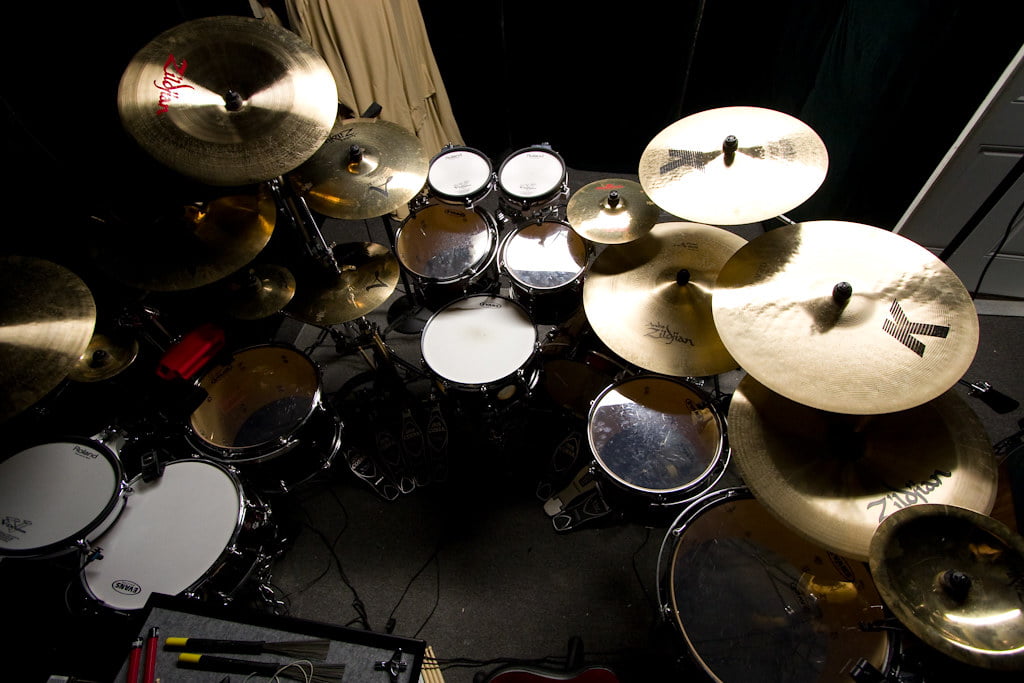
{"x": 296, "y": 211}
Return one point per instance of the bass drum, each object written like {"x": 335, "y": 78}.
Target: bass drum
{"x": 756, "y": 602}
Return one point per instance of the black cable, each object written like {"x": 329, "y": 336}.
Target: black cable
{"x": 636, "y": 570}
{"x": 391, "y": 616}
{"x": 437, "y": 598}
{"x": 689, "y": 59}
{"x": 995, "y": 252}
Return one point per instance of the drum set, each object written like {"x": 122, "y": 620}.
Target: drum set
{"x": 834, "y": 504}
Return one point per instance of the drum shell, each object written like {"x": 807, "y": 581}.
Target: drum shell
{"x": 575, "y": 368}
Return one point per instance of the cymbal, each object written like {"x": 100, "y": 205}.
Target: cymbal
{"x": 228, "y": 100}
{"x": 369, "y": 275}
{"x": 845, "y": 317}
{"x": 106, "y": 356}
{"x": 366, "y": 168}
{"x": 47, "y": 316}
{"x": 190, "y": 245}
{"x": 953, "y": 577}
{"x": 833, "y": 478}
{"x": 733, "y": 165}
{"x": 611, "y": 211}
{"x": 262, "y": 290}
{"x": 649, "y": 300}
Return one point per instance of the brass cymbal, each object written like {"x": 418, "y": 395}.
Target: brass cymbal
{"x": 845, "y": 317}
{"x": 833, "y": 478}
{"x": 953, "y": 577}
{"x": 262, "y": 290}
{"x": 190, "y": 246}
{"x": 611, "y": 211}
{"x": 649, "y": 300}
{"x": 369, "y": 275}
{"x": 366, "y": 168}
{"x": 733, "y": 165}
{"x": 106, "y": 356}
{"x": 228, "y": 100}
{"x": 47, "y": 316}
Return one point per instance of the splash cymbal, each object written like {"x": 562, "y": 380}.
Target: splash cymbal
{"x": 106, "y": 356}
{"x": 953, "y": 577}
{"x": 833, "y": 478}
{"x": 846, "y": 317}
{"x": 368, "y": 276}
{"x": 611, "y": 211}
{"x": 261, "y": 291}
{"x": 228, "y": 100}
{"x": 366, "y": 168}
{"x": 733, "y": 165}
{"x": 47, "y": 316}
{"x": 649, "y": 300}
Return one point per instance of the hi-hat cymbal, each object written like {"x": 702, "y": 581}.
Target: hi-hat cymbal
{"x": 366, "y": 168}
{"x": 611, "y": 211}
{"x": 47, "y": 316}
{"x": 261, "y": 291}
{"x": 228, "y": 100}
{"x": 369, "y": 275}
{"x": 650, "y": 300}
{"x": 833, "y": 478}
{"x": 191, "y": 246}
{"x": 845, "y": 317}
{"x": 733, "y": 165}
{"x": 953, "y": 577}
{"x": 106, "y": 356}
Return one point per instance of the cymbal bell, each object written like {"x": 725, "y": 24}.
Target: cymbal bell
{"x": 366, "y": 168}
{"x": 228, "y": 100}
{"x": 845, "y": 317}
{"x": 953, "y": 577}
{"x": 611, "y": 211}
{"x": 649, "y": 299}
{"x": 47, "y": 316}
{"x": 833, "y": 478}
{"x": 105, "y": 357}
{"x": 260, "y": 291}
{"x": 368, "y": 276}
{"x": 733, "y": 165}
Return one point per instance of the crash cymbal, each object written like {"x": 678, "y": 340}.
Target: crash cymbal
{"x": 833, "y": 478}
{"x": 369, "y": 275}
{"x": 366, "y": 168}
{"x": 47, "y": 316}
{"x": 228, "y": 100}
{"x": 845, "y": 317}
{"x": 261, "y": 291}
{"x": 106, "y": 356}
{"x": 650, "y": 300}
{"x": 611, "y": 211}
{"x": 189, "y": 246}
{"x": 733, "y": 165}
{"x": 953, "y": 577}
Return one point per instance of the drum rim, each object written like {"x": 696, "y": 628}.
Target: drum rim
{"x": 573, "y": 235}
{"x": 476, "y": 193}
{"x": 480, "y": 267}
{"x": 531, "y": 199}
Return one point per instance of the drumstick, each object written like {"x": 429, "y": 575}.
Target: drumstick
{"x": 133, "y": 661}
{"x": 301, "y": 649}
{"x": 321, "y": 673}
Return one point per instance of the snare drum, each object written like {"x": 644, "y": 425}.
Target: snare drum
{"x": 531, "y": 178}
{"x": 263, "y": 414}
{"x": 180, "y": 534}
{"x": 545, "y": 262}
{"x": 481, "y": 343}
{"x": 756, "y": 602}
{"x": 460, "y": 175}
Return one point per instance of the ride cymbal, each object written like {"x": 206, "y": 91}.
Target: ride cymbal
{"x": 263, "y": 290}
{"x": 106, "y": 356}
{"x": 833, "y": 478}
{"x": 611, "y": 211}
{"x": 649, "y": 300}
{"x": 733, "y": 165}
{"x": 366, "y": 168}
{"x": 228, "y": 100}
{"x": 845, "y": 317}
{"x": 953, "y": 577}
{"x": 368, "y": 275}
{"x": 47, "y": 317}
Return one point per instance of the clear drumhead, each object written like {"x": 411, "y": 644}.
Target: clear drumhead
{"x": 544, "y": 256}
{"x": 459, "y": 172}
{"x": 444, "y": 243}
{"x": 532, "y": 173}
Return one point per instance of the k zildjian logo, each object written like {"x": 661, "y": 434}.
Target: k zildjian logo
{"x": 900, "y": 327}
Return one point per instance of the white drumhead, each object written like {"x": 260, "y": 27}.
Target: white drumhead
{"x": 459, "y": 173}
{"x": 531, "y": 173}
{"x": 52, "y": 492}
{"x": 171, "y": 533}
{"x": 478, "y": 339}
{"x": 544, "y": 255}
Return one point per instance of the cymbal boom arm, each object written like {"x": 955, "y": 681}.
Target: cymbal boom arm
{"x": 297, "y": 212}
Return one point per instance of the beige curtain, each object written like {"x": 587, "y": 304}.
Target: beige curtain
{"x": 378, "y": 51}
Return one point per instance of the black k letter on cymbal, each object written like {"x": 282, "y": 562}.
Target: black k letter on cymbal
{"x": 900, "y": 327}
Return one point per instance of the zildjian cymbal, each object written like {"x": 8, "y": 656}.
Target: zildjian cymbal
{"x": 954, "y": 577}
{"x": 611, "y": 211}
{"x": 833, "y": 478}
{"x": 47, "y": 316}
{"x": 368, "y": 276}
{"x": 845, "y": 317}
{"x": 366, "y": 168}
{"x": 260, "y": 291}
{"x": 228, "y": 100}
{"x": 733, "y": 165}
{"x": 650, "y": 300}
{"x": 106, "y": 356}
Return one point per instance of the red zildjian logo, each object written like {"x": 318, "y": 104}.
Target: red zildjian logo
{"x": 904, "y": 331}
{"x": 610, "y": 186}
{"x": 174, "y": 74}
